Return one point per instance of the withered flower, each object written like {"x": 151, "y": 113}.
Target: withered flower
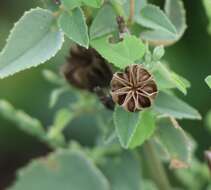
{"x": 86, "y": 69}
{"x": 123, "y": 29}
{"x": 134, "y": 89}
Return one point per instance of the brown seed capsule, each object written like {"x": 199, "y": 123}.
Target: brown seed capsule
{"x": 86, "y": 69}
{"x": 133, "y": 89}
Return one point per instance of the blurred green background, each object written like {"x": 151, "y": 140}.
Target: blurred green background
{"x": 28, "y": 90}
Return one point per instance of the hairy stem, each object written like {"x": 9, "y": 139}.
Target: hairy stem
{"x": 132, "y": 11}
{"x": 155, "y": 167}
{"x": 118, "y": 9}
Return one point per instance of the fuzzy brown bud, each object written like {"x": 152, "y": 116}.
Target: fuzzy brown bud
{"x": 86, "y": 69}
{"x": 134, "y": 89}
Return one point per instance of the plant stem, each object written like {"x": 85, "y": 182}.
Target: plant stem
{"x": 132, "y": 11}
{"x": 118, "y": 9}
{"x": 155, "y": 167}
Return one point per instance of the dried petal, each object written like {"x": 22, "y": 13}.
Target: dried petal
{"x": 133, "y": 89}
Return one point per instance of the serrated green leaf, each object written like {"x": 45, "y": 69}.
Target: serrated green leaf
{"x": 154, "y": 18}
{"x": 104, "y": 22}
{"x": 167, "y": 79}
{"x": 123, "y": 172}
{"x": 22, "y": 120}
{"x": 158, "y": 37}
{"x": 33, "y": 40}
{"x": 121, "y": 54}
{"x": 71, "y": 4}
{"x": 145, "y": 129}
{"x": 74, "y": 26}
{"x": 126, "y": 124}
{"x": 64, "y": 169}
{"x": 176, "y": 13}
{"x": 175, "y": 142}
{"x": 208, "y": 80}
{"x": 172, "y": 106}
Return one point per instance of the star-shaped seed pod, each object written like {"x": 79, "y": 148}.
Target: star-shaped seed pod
{"x": 134, "y": 89}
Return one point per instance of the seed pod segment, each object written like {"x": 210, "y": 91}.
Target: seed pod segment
{"x": 134, "y": 89}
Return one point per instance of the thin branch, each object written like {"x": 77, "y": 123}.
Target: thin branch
{"x": 155, "y": 167}
{"x": 132, "y": 11}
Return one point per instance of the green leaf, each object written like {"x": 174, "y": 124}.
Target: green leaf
{"x": 163, "y": 77}
{"x": 158, "y": 37}
{"x": 74, "y": 26}
{"x": 208, "y": 80}
{"x": 53, "y": 78}
{"x": 33, "y": 40}
{"x": 55, "y": 136}
{"x": 158, "y": 53}
{"x": 154, "y": 18}
{"x": 121, "y": 54}
{"x": 208, "y": 121}
{"x": 22, "y": 120}
{"x": 64, "y": 169}
{"x": 175, "y": 143}
{"x": 167, "y": 79}
{"x": 139, "y": 4}
{"x": 175, "y": 16}
{"x": 176, "y": 13}
{"x": 126, "y": 124}
{"x": 104, "y": 22}
{"x": 195, "y": 177}
{"x": 172, "y": 106}
{"x": 145, "y": 129}
{"x": 71, "y": 4}
{"x": 207, "y": 6}
{"x": 93, "y": 3}
{"x": 123, "y": 172}
{"x": 55, "y": 94}
{"x": 181, "y": 83}
{"x": 62, "y": 118}
{"x": 148, "y": 184}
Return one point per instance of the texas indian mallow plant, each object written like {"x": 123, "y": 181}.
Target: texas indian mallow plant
{"x": 115, "y": 73}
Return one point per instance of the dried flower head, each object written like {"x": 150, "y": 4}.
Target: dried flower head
{"x": 133, "y": 89}
{"x": 86, "y": 69}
